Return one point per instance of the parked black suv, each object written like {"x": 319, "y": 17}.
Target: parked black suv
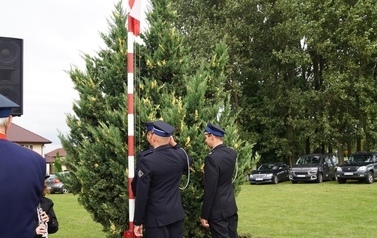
{"x": 314, "y": 167}
{"x": 360, "y": 166}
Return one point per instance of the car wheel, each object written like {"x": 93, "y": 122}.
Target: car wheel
{"x": 64, "y": 190}
{"x": 276, "y": 179}
{"x": 320, "y": 178}
{"x": 294, "y": 182}
{"x": 369, "y": 178}
{"x": 341, "y": 181}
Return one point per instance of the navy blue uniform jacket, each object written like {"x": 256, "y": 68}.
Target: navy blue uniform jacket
{"x": 219, "y": 201}
{"x": 138, "y": 157}
{"x": 22, "y": 174}
{"x": 158, "y": 198}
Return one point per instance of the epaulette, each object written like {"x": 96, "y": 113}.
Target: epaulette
{"x": 148, "y": 153}
{"x": 177, "y": 146}
{"x": 232, "y": 148}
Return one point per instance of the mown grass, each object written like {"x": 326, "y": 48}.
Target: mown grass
{"x": 308, "y": 210}
{"x": 74, "y": 220}
{"x": 304, "y": 210}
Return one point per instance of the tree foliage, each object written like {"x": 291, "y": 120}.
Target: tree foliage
{"x": 298, "y": 76}
{"x": 302, "y": 71}
{"x": 96, "y": 149}
{"x": 170, "y": 85}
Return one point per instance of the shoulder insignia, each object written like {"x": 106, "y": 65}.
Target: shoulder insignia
{"x": 140, "y": 173}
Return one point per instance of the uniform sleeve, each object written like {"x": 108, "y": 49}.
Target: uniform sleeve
{"x": 134, "y": 180}
{"x": 211, "y": 175}
{"x": 138, "y": 158}
{"x": 144, "y": 176}
{"x": 133, "y": 185}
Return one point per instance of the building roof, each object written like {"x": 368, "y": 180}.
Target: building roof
{"x": 19, "y": 134}
{"x": 51, "y": 156}
{"x": 60, "y": 151}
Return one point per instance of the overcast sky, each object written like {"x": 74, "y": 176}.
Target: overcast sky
{"x": 55, "y": 35}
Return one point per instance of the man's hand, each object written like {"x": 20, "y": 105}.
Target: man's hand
{"x": 138, "y": 230}
{"x": 204, "y": 222}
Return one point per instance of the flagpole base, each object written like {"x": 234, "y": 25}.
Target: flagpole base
{"x": 129, "y": 234}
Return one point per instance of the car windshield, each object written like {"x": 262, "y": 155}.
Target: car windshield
{"x": 308, "y": 160}
{"x": 360, "y": 159}
{"x": 267, "y": 167}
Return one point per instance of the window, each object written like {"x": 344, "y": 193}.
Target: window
{"x": 28, "y": 146}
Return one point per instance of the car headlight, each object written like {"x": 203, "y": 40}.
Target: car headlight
{"x": 251, "y": 176}
{"x": 362, "y": 168}
{"x": 313, "y": 170}
{"x": 339, "y": 169}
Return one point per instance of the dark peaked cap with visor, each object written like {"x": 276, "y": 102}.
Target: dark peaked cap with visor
{"x": 6, "y": 106}
{"x": 148, "y": 126}
{"x": 162, "y": 129}
{"x": 215, "y": 130}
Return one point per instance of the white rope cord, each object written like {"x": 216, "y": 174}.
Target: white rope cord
{"x": 188, "y": 171}
{"x": 235, "y": 176}
{"x": 137, "y": 59}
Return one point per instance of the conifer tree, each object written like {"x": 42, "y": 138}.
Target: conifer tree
{"x": 166, "y": 88}
{"x": 96, "y": 148}
{"x": 188, "y": 99}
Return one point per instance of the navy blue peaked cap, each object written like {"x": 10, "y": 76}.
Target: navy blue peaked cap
{"x": 215, "y": 130}
{"x": 6, "y": 106}
{"x": 148, "y": 126}
{"x": 162, "y": 129}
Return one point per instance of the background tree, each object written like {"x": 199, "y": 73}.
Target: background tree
{"x": 96, "y": 149}
{"x": 188, "y": 92}
{"x": 303, "y": 70}
{"x": 171, "y": 86}
{"x": 303, "y": 73}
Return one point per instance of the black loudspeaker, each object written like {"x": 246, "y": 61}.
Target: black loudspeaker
{"x": 11, "y": 71}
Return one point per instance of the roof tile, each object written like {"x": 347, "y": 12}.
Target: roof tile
{"x": 19, "y": 134}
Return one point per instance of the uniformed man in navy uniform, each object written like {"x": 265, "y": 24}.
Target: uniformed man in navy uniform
{"x": 219, "y": 209}
{"x": 22, "y": 174}
{"x": 158, "y": 205}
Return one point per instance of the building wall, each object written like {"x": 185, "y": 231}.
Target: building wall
{"x": 37, "y": 148}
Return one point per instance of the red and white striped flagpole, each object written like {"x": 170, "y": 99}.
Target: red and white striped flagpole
{"x": 130, "y": 121}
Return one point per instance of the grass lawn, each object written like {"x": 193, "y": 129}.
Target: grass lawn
{"x": 74, "y": 220}
{"x": 304, "y": 210}
{"x": 308, "y": 210}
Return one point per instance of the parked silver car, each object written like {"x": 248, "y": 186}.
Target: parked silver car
{"x": 54, "y": 184}
{"x": 314, "y": 167}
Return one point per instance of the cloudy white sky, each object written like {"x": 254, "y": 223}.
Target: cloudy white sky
{"x": 55, "y": 34}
